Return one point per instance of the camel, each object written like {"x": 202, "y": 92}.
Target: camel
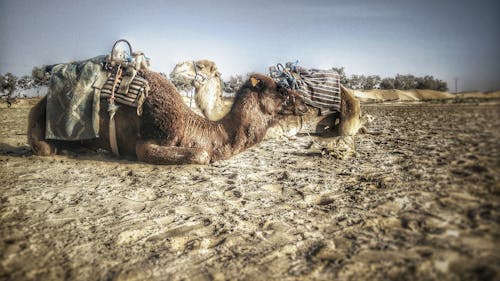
{"x": 204, "y": 76}
{"x": 169, "y": 132}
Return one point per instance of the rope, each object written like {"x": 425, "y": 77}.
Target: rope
{"x": 117, "y": 76}
{"x": 191, "y": 98}
{"x": 194, "y": 80}
{"x": 112, "y": 108}
{"x": 195, "y": 71}
{"x": 284, "y": 76}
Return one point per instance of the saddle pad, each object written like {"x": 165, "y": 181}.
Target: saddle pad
{"x": 321, "y": 89}
{"x": 129, "y": 90}
{"x": 72, "y": 102}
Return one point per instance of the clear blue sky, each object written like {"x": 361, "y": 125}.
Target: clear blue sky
{"x": 446, "y": 39}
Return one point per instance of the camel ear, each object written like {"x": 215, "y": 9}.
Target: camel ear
{"x": 213, "y": 69}
{"x": 254, "y": 81}
{"x": 200, "y": 65}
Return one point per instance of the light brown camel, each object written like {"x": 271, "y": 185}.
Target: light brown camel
{"x": 169, "y": 132}
{"x": 204, "y": 76}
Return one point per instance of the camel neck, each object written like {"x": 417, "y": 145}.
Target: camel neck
{"x": 246, "y": 124}
{"x": 209, "y": 100}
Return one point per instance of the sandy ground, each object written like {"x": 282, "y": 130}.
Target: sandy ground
{"x": 399, "y": 95}
{"x": 418, "y": 201}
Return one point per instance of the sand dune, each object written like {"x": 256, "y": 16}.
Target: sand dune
{"x": 399, "y": 95}
{"x": 476, "y": 94}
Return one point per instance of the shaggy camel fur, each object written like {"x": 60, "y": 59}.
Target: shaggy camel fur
{"x": 169, "y": 132}
{"x": 208, "y": 86}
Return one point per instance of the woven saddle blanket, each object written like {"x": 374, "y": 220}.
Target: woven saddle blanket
{"x": 318, "y": 88}
{"x": 74, "y": 94}
{"x": 321, "y": 89}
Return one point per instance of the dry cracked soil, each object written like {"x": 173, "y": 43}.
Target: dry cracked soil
{"x": 418, "y": 200}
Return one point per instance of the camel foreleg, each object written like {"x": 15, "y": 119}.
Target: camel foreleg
{"x": 36, "y": 130}
{"x": 156, "y": 154}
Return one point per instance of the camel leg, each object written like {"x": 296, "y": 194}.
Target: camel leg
{"x": 364, "y": 121}
{"x": 350, "y": 112}
{"x": 36, "y": 130}
{"x": 156, "y": 154}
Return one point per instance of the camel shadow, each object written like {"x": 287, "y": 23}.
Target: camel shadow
{"x": 74, "y": 152}
{"x": 307, "y": 154}
{"x": 16, "y": 151}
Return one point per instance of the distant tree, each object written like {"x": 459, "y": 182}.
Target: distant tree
{"x": 26, "y": 82}
{"x": 442, "y": 86}
{"x": 343, "y": 77}
{"x": 426, "y": 82}
{"x": 371, "y": 82}
{"x": 420, "y": 83}
{"x": 356, "y": 81}
{"x": 387, "y": 83}
{"x": 430, "y": 83}
{"x": 234, "y": 83}
{"x": 404, "y": 82}
{"x": 400, "y": 82}
{"x": 40, "y": 76}
{"x": 180, "y": 84}
{"x": 9, "y": 84}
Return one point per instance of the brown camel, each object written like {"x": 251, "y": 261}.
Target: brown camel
{"x": 169, "y": 132}
{"x": 204, "y": 76}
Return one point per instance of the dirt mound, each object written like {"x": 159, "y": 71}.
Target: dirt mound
{"x": 479, "y": 95}
{"x": 399, "y": 95}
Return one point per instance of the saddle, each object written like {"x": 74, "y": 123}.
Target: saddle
{"x": 76, "y": 89}
{"x": 319, "y": 88}
{"x": 120, "y": 83}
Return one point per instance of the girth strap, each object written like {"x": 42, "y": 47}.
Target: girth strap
{"x": 112, "y": 129}
{"x": 112, "y": 108}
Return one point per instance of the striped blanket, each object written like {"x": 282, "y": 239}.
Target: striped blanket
{"x": 318, "y": 88}
{"x": 129, "y": 90}
{"x": 321, "y": 89}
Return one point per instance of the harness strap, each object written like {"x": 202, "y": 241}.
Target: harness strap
{"x": 112, "y": 108}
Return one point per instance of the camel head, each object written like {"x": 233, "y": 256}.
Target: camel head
{"x": 195, "y": 73}
{"x": 272, "y": 97}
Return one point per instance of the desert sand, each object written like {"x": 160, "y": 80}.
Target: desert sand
{"x": 418, "y": 200}
{"x": 420, "y": 95}
{"x": 399, "y": 95}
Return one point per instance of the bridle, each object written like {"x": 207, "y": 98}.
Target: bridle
{"x": 197, "y": 76}
{"x": 289, "y": 97}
